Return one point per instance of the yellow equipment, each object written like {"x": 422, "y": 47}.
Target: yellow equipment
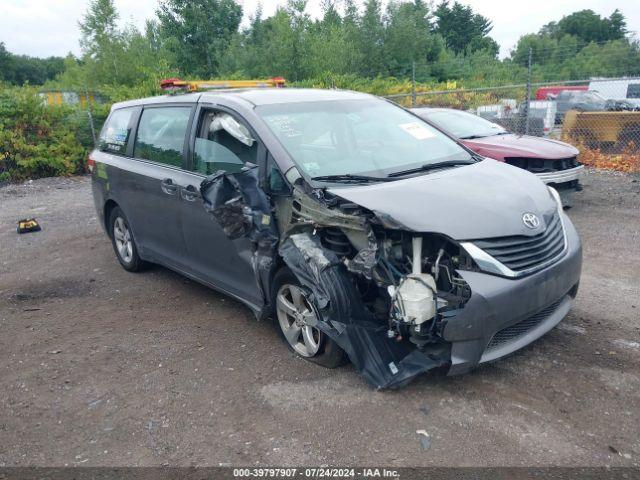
{"x": 620, "y": 130}
{"x": 60, "y": 97}
{"x": 27, "y": 225}
{"x": 175, "y": 84}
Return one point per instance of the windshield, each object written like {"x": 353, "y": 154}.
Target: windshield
{"x": 594, "y": 96}
{"x": 462, "y": 124}
{"x": 358, "y": 137}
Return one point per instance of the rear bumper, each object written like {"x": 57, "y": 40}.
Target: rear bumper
{"x": 504, "y": 315}
{"x": 561, "y": 176}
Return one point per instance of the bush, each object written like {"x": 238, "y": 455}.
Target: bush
{"x": 37, "y": 140}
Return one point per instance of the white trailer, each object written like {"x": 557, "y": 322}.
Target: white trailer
{"x": 625, "y": 89}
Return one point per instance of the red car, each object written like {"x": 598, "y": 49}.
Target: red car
{"x": 554, "y": 162}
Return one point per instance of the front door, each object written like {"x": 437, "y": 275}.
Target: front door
{"x": 223, "y": 262}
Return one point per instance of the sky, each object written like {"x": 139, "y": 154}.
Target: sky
{"x": 43, "y": 28}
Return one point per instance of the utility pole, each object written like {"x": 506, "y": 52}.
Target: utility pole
{"x": 413, "y": 84}
{"x": 528, "y": 99}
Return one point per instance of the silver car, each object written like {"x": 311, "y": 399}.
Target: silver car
{"x": 361, "y": 230}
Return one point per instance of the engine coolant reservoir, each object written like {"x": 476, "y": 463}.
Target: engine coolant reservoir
{"x": 415, "y": 297}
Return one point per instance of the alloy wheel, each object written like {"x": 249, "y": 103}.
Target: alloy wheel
{"x": 296, "y": 318}
{"x": 124, "y": 242}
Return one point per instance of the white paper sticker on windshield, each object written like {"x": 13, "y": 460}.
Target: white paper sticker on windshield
{"x": 417, "y": 130}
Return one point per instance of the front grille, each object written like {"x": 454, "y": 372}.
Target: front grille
{"x": 512, "y": 333}
{"x": 543, "y": 165}
{"x": 521, "y": 253}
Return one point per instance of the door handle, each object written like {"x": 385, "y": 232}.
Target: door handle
{"x": 189, "y": 193}
{"x": 168, "y": 186}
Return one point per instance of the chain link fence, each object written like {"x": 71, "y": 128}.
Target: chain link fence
{"x": 86, "y": 112}
{"x": 600, "y": 117}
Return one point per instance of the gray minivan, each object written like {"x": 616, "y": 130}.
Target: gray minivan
{"x": 363, "y": 231}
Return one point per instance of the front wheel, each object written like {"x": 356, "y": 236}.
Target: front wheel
{"x": 295, "y": 315}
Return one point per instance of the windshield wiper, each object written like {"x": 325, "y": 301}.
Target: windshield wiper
{"x": 347, "y": 177}
{"x": 472, "y": 137}
{"x": 432, "y": 166}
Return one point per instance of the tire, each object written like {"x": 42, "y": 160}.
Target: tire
{"x": 305, "y": 341}
{"x": 123, "y": 242}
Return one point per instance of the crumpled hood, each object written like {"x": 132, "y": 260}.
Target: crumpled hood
{"x": 483, "y": 200}
{"x": 500, "y": 147}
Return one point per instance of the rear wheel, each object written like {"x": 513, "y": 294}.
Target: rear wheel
{"x": 296, "y": 316}
{"x": 123, "y": 242}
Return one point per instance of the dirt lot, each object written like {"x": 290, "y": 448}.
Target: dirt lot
{"x": 102, "y": 367}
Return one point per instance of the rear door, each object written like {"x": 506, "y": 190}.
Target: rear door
{"x": 215, "y": 258}
{"x": 152, "y": 182}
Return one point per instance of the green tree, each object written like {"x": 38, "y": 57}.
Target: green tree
{"x": 371, "y": 34}
{"x": 102, "y": 44}
{"x": 580, "y": 45}
{"x": 542, "y": 47}
{"x": 198, "y": 32}
{"x": 588, "y": 26}
{"x": 462, "y": 29}
{"x": 330, "y": 46}
{"x": 7, "y": 68}
{"x": 298, "y": 37}
{"x": 351, "y": 33}
{"x": 114, "y": 60}
{"x": 99, "y": 27}
{"x": 268, "y": 48}
{"x": 408, "y": 36}
{"x": 21, "y": 69}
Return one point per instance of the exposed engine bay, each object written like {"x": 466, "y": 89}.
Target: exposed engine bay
{"x": 406, "y": 280}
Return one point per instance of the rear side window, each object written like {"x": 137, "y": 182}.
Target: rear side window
{"x": 115, "y": 133}
{"x": 161, "y": 134}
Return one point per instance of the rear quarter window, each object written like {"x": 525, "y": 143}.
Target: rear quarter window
{"x": 115, "y": 133}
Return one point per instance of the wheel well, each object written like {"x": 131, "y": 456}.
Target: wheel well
{"x": 108, "y": 208}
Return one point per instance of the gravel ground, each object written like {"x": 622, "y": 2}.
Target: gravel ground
{"x": 102, "y": 367}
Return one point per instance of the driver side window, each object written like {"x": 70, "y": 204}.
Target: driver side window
{"x": 222, "y": 143}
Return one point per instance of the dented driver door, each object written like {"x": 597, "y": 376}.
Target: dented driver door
{"x": 213, "y": 257}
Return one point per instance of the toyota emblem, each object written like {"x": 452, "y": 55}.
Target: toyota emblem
{"x": 531, "y": 220}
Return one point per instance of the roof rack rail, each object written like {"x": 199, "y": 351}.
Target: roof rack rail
{"x": 177, "y": 85}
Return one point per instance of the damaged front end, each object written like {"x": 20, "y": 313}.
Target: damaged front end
{"x": 383, "y": 293}
{"x": 398, "y": 287}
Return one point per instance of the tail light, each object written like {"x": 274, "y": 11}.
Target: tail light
{"x": 91, "y": 163}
